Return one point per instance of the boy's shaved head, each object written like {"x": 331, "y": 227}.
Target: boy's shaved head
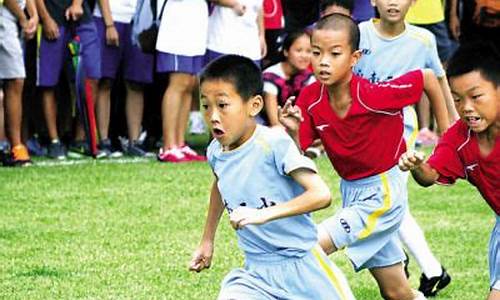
{"x": 340, "y": 22}
{"x": 479, "y": 56}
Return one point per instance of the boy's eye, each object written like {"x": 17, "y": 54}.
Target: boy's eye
{"x": 477, "y": 96}
{"x": 315, "y": 53}
{"x": 222, "y": 105}
{"x": 336, "y": 53}
{"x": 204, "y": 106}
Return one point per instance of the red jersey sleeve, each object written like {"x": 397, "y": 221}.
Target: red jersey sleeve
{"x": 307, "y": 131}
{"x": 393, "y": 95}
{"x": 445, "y": 159}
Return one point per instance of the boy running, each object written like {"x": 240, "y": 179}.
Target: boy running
{"x": 470, "y": 149}
{"x": 360, "y": 125}
{"x": 268, "y": 189}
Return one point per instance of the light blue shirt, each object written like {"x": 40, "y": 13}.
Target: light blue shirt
{"x": 387, "y": 58}
{"x": 256, "y": 175}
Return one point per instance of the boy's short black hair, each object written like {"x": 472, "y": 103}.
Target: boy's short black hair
{"x": 479, "y": 56}
{"x": 347, "y": 4}
{"x": 341, "y": 22}
{"x": 242, "y": 72}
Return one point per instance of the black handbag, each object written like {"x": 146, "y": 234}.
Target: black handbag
{"x": 147, "y": 38}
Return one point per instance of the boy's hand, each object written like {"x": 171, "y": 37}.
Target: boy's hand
{"x": 74, "y": 12}
{"x": 202, "y": 257}
{"x": 410, "y": 160}
{"x": 50, "y": 29}
{"x": 30, "y": 29}
{"x": 112, "y": 38}
{"x": 239, "y": 9}
{"x": 243, "y": 216}
{"x": 290, "y": 115}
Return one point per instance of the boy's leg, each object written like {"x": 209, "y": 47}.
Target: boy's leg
{"x": 494, "y": 261}
{"x": 103, "y": 107}
{"x": 14, "y": 109}
{"x": 494, "y": 295}
{"x": 392, "y": 282}
{"x": 134, "y": 110}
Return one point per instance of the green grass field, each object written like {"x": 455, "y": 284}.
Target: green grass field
{"x": 100, "y": 230}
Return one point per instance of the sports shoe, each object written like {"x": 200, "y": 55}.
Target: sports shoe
{"x": 190, "y": 154}
{"x": 431, "y": 286}
{"x": 78, "y": 149}
{"x": 172, "y": 155}
{"x": 34, "y": 147}
{"x": 134, "y": 149}
{"x": 4, "y": 152}
{"x": 107, "y": 150}
{"x": 56, "y": 150}
{"x": 20, "y": 156}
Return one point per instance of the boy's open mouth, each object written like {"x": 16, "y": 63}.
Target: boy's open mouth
{"x": 217, "y": 132}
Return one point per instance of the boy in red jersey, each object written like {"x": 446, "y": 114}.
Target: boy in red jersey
{"x": 360, "y": 125}
{"x": 470, "y": 149}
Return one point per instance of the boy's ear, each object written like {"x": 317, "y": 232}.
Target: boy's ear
{"x": 355, "y": 56}
{"x": 256, "y": 103}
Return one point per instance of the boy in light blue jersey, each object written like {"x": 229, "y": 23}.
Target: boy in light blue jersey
{"x": 390, "y": 48}
{"x": 268, "y": 189}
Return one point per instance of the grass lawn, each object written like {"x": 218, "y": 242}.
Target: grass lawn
{"x": 100, "y": 230}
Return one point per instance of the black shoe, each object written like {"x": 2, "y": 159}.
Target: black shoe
{"x": 56, "y": 150}
{"x": 106, "y": 150}
{"x": 406, "y": 263}
{"x": 431, "y": 286}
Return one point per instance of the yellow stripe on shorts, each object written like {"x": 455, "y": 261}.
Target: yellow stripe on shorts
{"x": 329, "y": 273}
{"x": 374, "y": 216}
{"x": 410, "y": 143}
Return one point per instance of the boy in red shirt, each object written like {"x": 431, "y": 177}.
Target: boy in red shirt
{"x": 470, "y": 149}
{"x": 360, "y": 125}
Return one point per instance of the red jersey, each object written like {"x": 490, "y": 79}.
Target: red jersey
{"x": 457, "y": 155}
{"x": 273, "y": 14}
{"x": 369, "y": 139}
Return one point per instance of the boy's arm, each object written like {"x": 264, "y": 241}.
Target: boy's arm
{"x": 237, "y": 7}
{"x": 112, "y": 38}
{"x": 450, "y": 104}
{"x": 202, "y": 257}
{"x": 316, "y": 196}
{"x": 33, "y": 20}
{"x": 422, "y": 172}
{"x": 262, "y": 33}
{"x": 16, "y": 10}
{"x": 50, "y": 27}
{"x": 454, "y": 22}
{"x": 435, "y": 95}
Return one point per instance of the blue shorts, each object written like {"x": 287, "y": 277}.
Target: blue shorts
{"x": 312, "y": 276}
{"x": 53, "y": 54}
{"x": 494, "y": 256}
{"x": 368, "y": 223}
{"x": 137, "y": 65}
{"x": 173, "y": 63}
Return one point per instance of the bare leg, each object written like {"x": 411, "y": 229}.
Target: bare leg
{"x": 103, "y": 107}
{"x": 14, "y": 109}
{"x": 50, "y": 112}
{"x": 424, "y": 112}
{"x": 179, "y": 84}
{"x": 185, "y": 109}
{"x": 3, "y": 136}
{"x": 134, "y": 109}
{"x": 325, "y": 241}
{"x": 494, "y": 295}
{"x": 393, "y": 283}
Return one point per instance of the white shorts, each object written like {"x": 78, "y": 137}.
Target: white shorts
{"x": 11, "y": 50}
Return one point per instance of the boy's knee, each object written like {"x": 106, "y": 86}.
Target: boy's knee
{"x": 398, "y": 293}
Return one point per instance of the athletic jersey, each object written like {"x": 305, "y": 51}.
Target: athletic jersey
{"x": 183, "y": 28}
{"x": 256, "y": 175}
{"x": 6, "y": 13}
{"x": 122, "y": 11}
{"x": 229, "y": 33}
{"x": 275, "y": 82}
{"x": 273, "y": 14}
{"x": 457, "y": 155}
{"x": 387, "y": 58}
{"x": 369, "y": 139}
{"x": 424, "y": 12}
